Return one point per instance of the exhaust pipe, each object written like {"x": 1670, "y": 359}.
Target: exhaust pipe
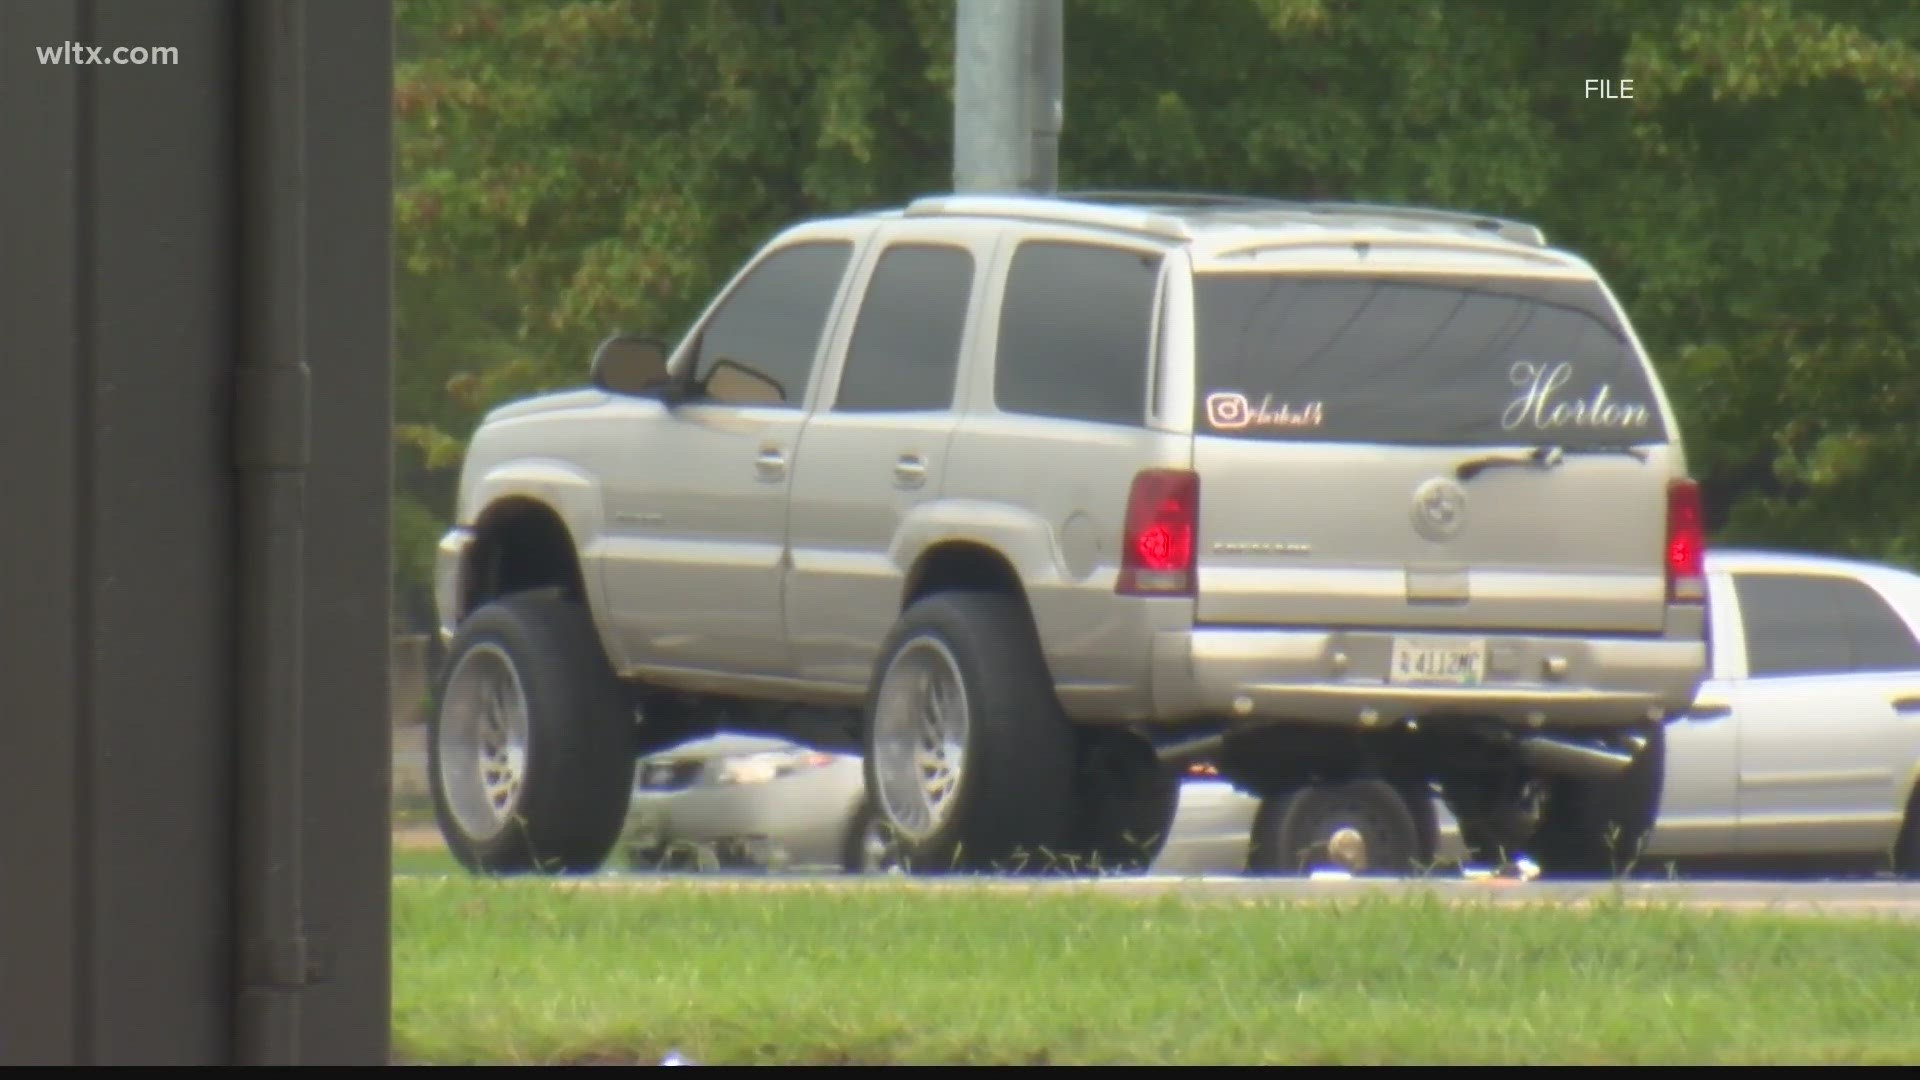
{"x": 1579, "y": 759}
{"x": 1556, "y": 755}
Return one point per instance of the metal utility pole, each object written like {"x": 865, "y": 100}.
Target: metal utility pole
{"x": 1045, "y": 85}
{"x": 1008, "y": 103}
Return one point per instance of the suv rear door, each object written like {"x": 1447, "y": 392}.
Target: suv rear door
{"x": 1333, "y": 414}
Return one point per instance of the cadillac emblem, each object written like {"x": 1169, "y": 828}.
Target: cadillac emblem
{"x": 1439, "y": 508}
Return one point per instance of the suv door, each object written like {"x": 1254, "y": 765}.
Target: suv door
{"x": 1335, "y": 411}
{"x": 876, "y": 446}
{"x": 697, "y": 511}
{"x": 1825, "y": 752}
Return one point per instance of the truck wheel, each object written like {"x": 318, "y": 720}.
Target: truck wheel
{"x": 1361, "y": 826}
{"x": 531, "y": 743}
{"x": 1594, "y": 826}
{"x": 1125, "y": 805}
{"x": 967, "y": 752}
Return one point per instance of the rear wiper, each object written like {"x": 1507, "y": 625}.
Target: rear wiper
{"x": 1637, "y": 453}
{"x": 1540, "y": 457}
{"x": 1545, "y": 456}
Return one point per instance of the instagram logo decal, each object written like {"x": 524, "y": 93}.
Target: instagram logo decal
{"x": 1227, "y": 410}
{"x": 1230, "y": 410}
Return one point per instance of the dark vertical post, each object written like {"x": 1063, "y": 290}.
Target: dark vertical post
{"x": 129, "y": 420}
{"x": 348, "y": 749}
{"x": 115, "y": 339}
{"x": 271, "y": 415}
{"x": 156, "y": 793}
{"x": 42, "y": 569}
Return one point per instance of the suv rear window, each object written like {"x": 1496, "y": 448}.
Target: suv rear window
{"x": 1430, "y": 360}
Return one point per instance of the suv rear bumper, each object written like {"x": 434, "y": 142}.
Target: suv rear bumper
{"x": 1340, "y": 678}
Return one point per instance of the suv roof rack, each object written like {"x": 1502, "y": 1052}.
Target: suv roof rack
{"x": 1519, "y": 232}
{"x": 1065, "y": 209}
{"x": 1133, "y": 211}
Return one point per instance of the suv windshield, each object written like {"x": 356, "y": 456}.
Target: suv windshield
{"x": 1430, "y": 359}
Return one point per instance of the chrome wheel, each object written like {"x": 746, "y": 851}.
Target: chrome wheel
{"x": 483, "y": 742}
{"x": 1348, "y": 848}
{"x": 1361, "y": 826}
{"x": 920, "y": 733}
{"x": 1354, "y": 837}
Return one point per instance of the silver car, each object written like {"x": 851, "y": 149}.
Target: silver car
{"x": 1029, "y": 502}
{"x": 1805, "y": 742}
{"x": 739, "y": 801}
{"x": 1802, "y": 749}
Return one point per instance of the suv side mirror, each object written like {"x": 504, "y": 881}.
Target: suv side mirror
{"x": 630, "y": 364}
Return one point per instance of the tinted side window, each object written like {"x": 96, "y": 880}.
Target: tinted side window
{"x": 1076, "y": 333}
{"x": 1792, "y": 625}
{"x": 905, "y": 350}
{"x": 1880, "y": 638}
{"x": 760, "y": 345}
{"x": 1820, "y": 625}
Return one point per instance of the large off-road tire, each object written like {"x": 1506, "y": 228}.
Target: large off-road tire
{"x": 1598, "y": 826}
{"x": 967, "y": 752}
{"x": 1364, "y": 826}
{"x": 530, "y": 742}
{"x": 1125, "y": 803}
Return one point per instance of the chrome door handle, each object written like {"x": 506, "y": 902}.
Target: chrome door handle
{"x": 1709, "y": 710}
{"x": 910, "y": 470}
{"x": 772, "y": 464}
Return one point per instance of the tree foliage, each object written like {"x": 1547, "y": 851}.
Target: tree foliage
{"x": 571, "y": 167}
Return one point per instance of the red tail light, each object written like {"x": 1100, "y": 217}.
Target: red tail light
{"x": 1157, "y": 549}
{"x": 1686, "y": 543}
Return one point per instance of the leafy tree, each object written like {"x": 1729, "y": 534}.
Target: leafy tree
{"x": 570, "y": 167}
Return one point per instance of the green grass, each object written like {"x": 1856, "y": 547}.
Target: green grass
{"x": 424, "y": 861}
{"x": 413, "y": 815}
{"x": 521, "y": 972}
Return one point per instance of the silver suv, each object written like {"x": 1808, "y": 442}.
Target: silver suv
{"x": 1033, "y": 501}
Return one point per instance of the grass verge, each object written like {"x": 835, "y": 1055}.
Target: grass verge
{"x": 522, "y": 972}
{"x": 424, "y": 861}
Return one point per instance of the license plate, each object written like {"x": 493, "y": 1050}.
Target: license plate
{"x": 1438, "y": 662}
